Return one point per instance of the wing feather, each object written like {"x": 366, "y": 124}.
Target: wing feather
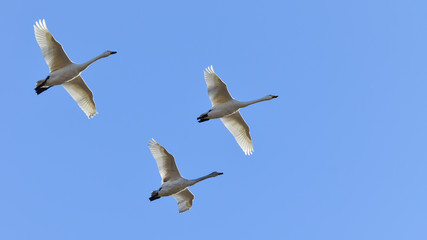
{"x": 240, "y": 130}
{"x": 52, "y": 51}
{"x": 80, "y": 92}
{"x": 165, "y": 162}
{"x": 217, "y": 89}
{"x": 184, "y": 199}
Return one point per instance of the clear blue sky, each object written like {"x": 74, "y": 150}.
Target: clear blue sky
{"x": 341, "y": 154}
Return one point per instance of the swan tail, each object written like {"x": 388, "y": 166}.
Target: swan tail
{"x": 40, "y": 86}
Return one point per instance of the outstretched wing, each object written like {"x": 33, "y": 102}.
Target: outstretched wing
{"x": 80, "y": 92}
{"x": 184, "y": 199}
{"x": 217, "y": 89}
{"x": 165, "y": 162}
{"x": 240, "y": 130}
{"x": 52, "y": 50}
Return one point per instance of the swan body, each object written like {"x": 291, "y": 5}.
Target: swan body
{"x": 222, "y": 110}
{"x": 63, "y": 75}
{"x": 227, "y": 108}
{"x": 172, "y": 187}
{"x": 63, "y": 71}
{"x": 172, "y": 181}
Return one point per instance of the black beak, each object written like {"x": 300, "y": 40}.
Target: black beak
{"x": 220, "y": 173}
{"x": 275, "y": 96}
{"x": 113, "y": 52}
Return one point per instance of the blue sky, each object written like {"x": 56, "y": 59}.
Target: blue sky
{"x": 341, "y": 154}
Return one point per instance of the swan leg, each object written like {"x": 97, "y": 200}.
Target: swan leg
{"x": 154, "y": 198}
{"x": 154, "y": 195}
{"x": 203, "y": 118}
{"x": 40, "y": 86}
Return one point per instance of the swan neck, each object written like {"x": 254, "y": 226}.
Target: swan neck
{"x": 86, "y": 64}
{"x": 247, "y": 103}
{"x": 194, "y": 181}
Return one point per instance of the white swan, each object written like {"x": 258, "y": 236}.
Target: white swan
{"x": 227, "y": 108}
{"x": 63, "y": 71}
{"x": 172, "y": 182}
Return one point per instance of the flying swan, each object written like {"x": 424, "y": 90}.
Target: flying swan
{"x": 63, "y": 71}
{"x": 227, "y": 108}
{"x": 172, "y": 182}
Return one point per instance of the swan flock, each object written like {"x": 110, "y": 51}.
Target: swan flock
{"x": 62, "y": 71}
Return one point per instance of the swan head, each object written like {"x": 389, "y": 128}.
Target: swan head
{"x": 271, "y": 96}
{"x": 108, "y": 53}
{"x": 216, "y": 173}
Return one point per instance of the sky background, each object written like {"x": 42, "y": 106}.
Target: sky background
{"x": 341, "y": 154}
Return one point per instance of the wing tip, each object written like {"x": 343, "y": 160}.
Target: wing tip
{"x": 209, "y": 69}
{"x": 248, "y": 148}
{"x": 184, "y": 210}
{"x": 41, "y": 24}
{"x": 152, "y": 142}
{"x": 249, "y": 152}
{"x": 246, "y": 145}
{"x": 91, "y": 115}
{"x": 184, "y": 206}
